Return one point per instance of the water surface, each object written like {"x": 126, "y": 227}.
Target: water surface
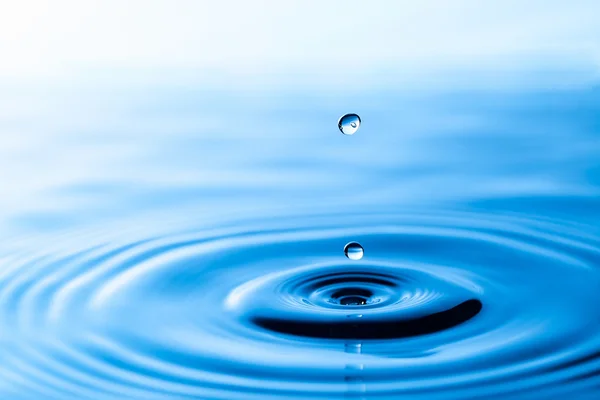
{"x": 183, "y": 243}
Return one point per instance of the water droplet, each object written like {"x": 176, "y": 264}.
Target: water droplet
{"x": 349, "y": 124}
{"x": 354, "y": 251}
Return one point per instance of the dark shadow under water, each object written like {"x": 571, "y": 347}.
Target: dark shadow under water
{"x": 389, "y": 329}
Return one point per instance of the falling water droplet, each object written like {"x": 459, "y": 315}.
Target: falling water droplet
{"x": 354, "y": 251}
{"x": 349, "y": 124}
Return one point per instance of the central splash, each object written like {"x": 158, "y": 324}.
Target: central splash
{"x": 367, "y": 301}
{"x": 352, "y": 296}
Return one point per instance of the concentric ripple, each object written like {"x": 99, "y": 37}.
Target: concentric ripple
{"x": 369, "y": 301}
{"x": 447, "y": 305}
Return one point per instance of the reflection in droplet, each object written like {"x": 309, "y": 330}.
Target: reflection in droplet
{"x": 354, "y": 251}
{"x": 349, "y": 124}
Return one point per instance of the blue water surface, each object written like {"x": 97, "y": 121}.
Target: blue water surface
{"x": 175, "y": 242}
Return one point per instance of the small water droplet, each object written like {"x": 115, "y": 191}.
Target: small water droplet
{"x": 349, "y": 124}
{"x": 354, "y": 251}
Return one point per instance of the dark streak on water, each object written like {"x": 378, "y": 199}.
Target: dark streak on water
{"x": 367, "y": 329}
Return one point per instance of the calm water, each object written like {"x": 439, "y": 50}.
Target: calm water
{"x": 180, "y": 243}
